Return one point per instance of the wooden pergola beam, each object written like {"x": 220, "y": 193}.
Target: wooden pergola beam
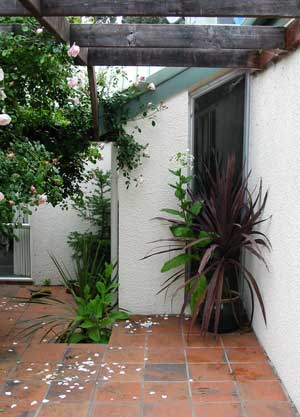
{"x": 12, "y": 8}
{"x": 60, "y": 27}
{"x": 173, "y": 57}
{"x": 178, "y": 36}
{"x": 194, "y": 8}
{"x": 209, "y": 8}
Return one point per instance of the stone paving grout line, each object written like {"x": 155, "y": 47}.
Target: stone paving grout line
{"x": 187, "y": 369}
{"x": 93, "y": 394}
{"x": 241, "y": 402}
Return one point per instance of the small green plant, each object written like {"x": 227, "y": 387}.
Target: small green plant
{"x": 46, "y": 282}
{"x": 89, "y": 319}
{"x": 94, "y": 316}
{"x": 90, "y": 268}
{"x": 94, "y": 208}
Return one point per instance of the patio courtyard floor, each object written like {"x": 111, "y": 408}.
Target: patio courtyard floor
{"x": 149, "y": 369}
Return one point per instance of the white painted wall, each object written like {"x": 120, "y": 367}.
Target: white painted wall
{"x": 141, "y": 280}
{"x": 274, "y": 155}
{"x": 50, "y": 227}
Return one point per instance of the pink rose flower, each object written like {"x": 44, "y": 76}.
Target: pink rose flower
{"x": 42, "y": 199}
{"x": 73, "y": 82}
{"x": 76, "y": 101}
{"x": 142, "y": 78}
{"x": 2, "y": 197}
{"x": 11, "y": 155}
{"x": 74, "y": 50}
{"x": 33, "y": 189}
{"x": 5, "y": 119}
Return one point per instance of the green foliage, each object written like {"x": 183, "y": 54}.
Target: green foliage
{"x": 42, "y": 106}
{"x": 47, "y": 282}
{"x": 116, "y": 115}
{"x": 28, "y": 173}
{"x": 186, "y": 227}
{"x": 95, "y": 209}
{"x": 94, "y": 315}
{"x": 90, "y": 268}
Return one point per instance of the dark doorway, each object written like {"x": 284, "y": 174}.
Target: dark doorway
{"x": 219, "y": 124}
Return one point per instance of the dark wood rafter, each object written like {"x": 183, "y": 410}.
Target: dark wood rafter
{"x": 194, "y": 8}
{"x": 60, "y": 27}
{"x": 292, "y": 41}
{"x": 13, "y": 8}
{"x": 173, "y": 57}
{"x": 179, "y": 36}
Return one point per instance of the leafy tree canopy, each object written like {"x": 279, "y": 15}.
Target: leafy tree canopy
{"x": 47, "y": 99}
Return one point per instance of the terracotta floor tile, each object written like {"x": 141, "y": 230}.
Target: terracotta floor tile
{"x": 210, "y": 372}
{"x": 214, "y": 392}
{"x": 254, "y": 354}
{"x": 261, "y": 391}
{"x": 20, "y": 409}
{"x": 80, "y": 370}
{"x": 127, "y": 341}
{"x": 121, "y": 373}
{"x": 219, "y": 410}
{"x": 50, "y": 352}
{"x": 118, "y": 391}
{"x": 32, "y": 371}
{"x": 166, "y": 408}
{"x": 123, "y": 356}
{"x": 198, "y": 355}
{"x": 172, "y": 355}
{"x": 165, "y": 372}
{"x": 163, "y": 391}
{"x": 81, "y": 353}
{"x": 64, "y": 409}
{"x": 159, "y": 340}
{"x": 76, "y": 390}
{"x": 240, "y": 340}
{"x": 199, "y": 341}
{"x": 114, "y": 410}
{"x": 271, "y": 409}
{"x": 26, "y": 391}
{"x": 166, "y": 324}
{"x": 253, "y": 371}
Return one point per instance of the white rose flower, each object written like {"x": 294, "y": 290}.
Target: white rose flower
{"x": 1, "y": 74}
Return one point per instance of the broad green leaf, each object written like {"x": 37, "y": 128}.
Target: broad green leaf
{"x": 76, "y": 338}
{"x": 198, "y": 292}
{"x": 176, "y": 262}
{"x": 94, "y": 334}
{"x": 208, "y": 238}
{"x": 173, "y": 212}
{"x": 87, "y": 324}
{"x": 119, "y": 315}
{"x": 181, "y": 231}
{"x": 196, "y": 208}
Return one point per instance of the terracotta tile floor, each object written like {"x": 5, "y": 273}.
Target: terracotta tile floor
{"x": 149, "y": 369}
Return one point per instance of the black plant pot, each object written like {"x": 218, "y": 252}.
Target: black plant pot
{"x": 229, "y": 311}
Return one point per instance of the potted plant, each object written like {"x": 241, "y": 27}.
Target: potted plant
{"x": 210, "y": 230}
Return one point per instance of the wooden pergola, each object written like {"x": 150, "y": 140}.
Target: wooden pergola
{"x": 249, "y": 47}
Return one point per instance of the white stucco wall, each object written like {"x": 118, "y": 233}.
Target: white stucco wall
{"x": 141, "y": 280}
{"x": 274, "y": 155}
{"x": 50, "y": 227}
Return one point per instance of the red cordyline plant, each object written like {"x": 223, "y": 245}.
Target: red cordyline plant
{"x": 213, "y": 229}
